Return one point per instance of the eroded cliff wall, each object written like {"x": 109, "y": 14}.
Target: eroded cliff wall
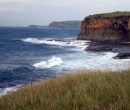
{"x": 105, "y": 29}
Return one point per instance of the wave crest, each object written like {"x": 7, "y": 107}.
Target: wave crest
{"x": 54, "y": 61}
{"x": 61, "y": 42}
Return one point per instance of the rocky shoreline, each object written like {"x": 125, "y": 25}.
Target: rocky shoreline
{"x": 108, "y": 32}
{"x": 123, "y": 49}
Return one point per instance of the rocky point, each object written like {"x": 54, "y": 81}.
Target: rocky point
{"x": 111, "y": 31}
{"x": 106, "y": 27}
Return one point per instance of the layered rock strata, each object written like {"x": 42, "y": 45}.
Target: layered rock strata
{"x": 99, "y": 28}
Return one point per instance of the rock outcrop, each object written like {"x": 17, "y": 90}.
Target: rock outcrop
{"x": 122, "y": 56}
{"x": 106, "y": 27}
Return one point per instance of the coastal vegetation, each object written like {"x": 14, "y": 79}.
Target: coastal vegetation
{"x": 82, "y": 90}
{"x": 65, "y": 24}
{"x": 113, "y": 14}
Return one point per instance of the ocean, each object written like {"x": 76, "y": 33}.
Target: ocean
{"x": 31, "y": 54}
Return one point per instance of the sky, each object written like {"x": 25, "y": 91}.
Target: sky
{"x": 42, "y": 12}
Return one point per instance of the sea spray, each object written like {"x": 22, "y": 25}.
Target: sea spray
{"x": 54, "y": 61}
{"x": 60, "y": 42}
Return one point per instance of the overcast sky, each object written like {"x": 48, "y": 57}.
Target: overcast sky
{"x": 42, "y": 12}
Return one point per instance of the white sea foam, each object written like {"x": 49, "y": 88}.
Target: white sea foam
{"x": 89, "y": 60}
{"x": 9, "y": 90}
{"x": 54, "y": 61}
{"x": 60, "y": 42}
{"x": 128, "y": 60}
{"x": 109, "y": 55}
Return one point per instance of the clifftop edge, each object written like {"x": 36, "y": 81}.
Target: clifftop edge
{"x": 109, "y": 15}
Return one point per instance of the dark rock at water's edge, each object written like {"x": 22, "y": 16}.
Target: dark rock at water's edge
{"x": 122, "y": 49}
{"x": 122, "y": 56}
{"x": 107, "y": 46}
{"x": 109, "y": 27}
{"x": 98, "y": 47}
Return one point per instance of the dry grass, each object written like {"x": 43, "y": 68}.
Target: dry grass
{"x": 79, "y": 91}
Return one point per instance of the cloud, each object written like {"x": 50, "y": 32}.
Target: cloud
{"x": 78, "y": 3}
{"x": 24, "y": 12}
{"x": 3, "y": 9}
{"x": 13, "y": 1}
{"x": 12, "y": 5}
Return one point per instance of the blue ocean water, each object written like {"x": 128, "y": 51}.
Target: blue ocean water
{"x": 16, "y": 57}
{"x": 30, "y": 54}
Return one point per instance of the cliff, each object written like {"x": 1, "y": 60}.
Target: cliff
{"x": 65, "y": 24}
{"x": 106, "y": 27}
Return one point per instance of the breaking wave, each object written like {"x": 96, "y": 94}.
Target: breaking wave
{"x": 60, "y": 42}
{"x": 109, "y": 55}
{"x": 54, "y": 61}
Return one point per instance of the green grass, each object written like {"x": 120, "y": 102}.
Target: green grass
{"x": 83, "y": 90}
{"x": 113, "y": 14}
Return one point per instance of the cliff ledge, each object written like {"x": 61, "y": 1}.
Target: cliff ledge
{"x": 106, "y": 27}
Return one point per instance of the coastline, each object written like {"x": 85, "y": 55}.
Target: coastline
{"x": 81, "y": 90}
{"x": 91, "y": 46}
{"x": 100, "y": 58}
{"x": 116, "y": 47}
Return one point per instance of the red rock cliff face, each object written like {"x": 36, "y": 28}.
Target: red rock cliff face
{"x": 105, "y": 29}
{"x": 96, "y": 23}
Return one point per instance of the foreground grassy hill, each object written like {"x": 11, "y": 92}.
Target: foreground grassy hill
{"x": 78, "y": 91}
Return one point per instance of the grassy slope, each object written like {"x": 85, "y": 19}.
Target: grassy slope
{"x": 113, "y": 14}
{"x": 79, "y": 91}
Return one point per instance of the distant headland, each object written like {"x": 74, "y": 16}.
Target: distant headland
{"x": 62, "y": 24}
{"x": 65, "y": 24}
{"x": 106, "y": 27}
